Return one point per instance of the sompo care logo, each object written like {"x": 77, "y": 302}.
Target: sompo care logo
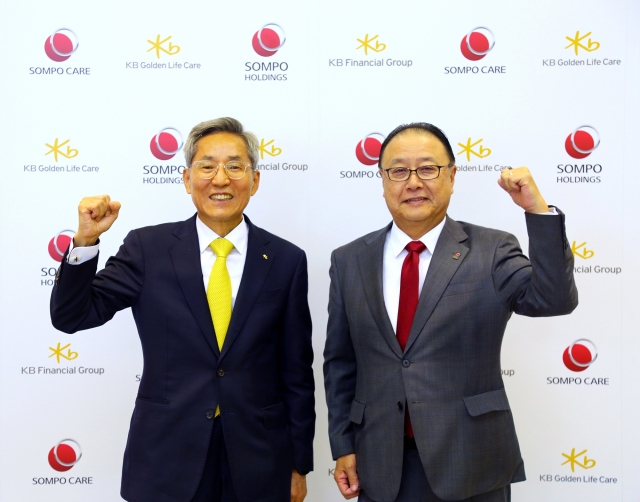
{"x": 268, "y": 40}
{"x": 476, "y": 44}
{"x": 368, "y": 149}
{"x": 166, "y": 143}
{"x": 59, "y": 244}
{"x": 64, "y": 455}
{"x": 582, "y": 142}
{"x": 61, "y": 45}
{"x": 580, "y": 355}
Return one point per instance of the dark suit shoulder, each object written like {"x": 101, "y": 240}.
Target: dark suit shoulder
{"x": 354, "y": 246}
{"x": 276, "y": 242}
{"x": 476, "y": 231}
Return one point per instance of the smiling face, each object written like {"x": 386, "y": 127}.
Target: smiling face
{"x": 219, "y": 200}
{"x": 417, "y": 205}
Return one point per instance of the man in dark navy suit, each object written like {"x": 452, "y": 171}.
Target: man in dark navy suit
{"x": 225, "y": 407}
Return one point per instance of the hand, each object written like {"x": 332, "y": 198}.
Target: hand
{"x": 519, "y": 184}
{"x": 346, "y": 476}
{"x": 95, "y": 216}
{"x": 298, "y": 487}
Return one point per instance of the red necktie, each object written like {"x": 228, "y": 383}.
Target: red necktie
{"x": 409, "y": 287}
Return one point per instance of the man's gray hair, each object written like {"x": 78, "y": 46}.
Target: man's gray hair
{"x": 224, "y": 124}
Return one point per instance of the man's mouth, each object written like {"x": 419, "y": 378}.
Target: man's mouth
{"x": 416, "y": 199}
{"x": 221, "y": 196}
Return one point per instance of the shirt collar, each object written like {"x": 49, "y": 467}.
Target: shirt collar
{"x": 398, "y": 240}
{"x": 239, "y": 236}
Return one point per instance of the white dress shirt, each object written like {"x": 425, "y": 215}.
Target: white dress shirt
{"x": 393, "y": 257}
{"x": 239, "y": 237}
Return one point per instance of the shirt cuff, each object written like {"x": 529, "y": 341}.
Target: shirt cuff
{"x": 78, "y": 255}
{"x": 552, "y": 210}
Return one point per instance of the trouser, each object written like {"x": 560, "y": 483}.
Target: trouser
{"x": 216, "y": 484}
{"x": 414, "y": 486}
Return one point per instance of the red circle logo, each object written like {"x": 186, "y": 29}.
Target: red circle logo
{"x": 477, "y": 43}
{"x": 581, "y": 142}
{"x": 59, "y": 244}
{"x": 166, "y": 143}
{"x": 61, "y": 44}
{"x": 64, "y": 455}
{"x": 580, "y": 355}
{"x": 268, "y": 39}
{"x": 368, "y": 149}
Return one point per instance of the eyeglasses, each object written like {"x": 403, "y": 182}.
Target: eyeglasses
{"x": 423, "y": 172}
{"x": 206, "y": 169}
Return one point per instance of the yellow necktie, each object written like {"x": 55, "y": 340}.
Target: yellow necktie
{"x": 219, "y": 292}
{"x": 219, "y": 289}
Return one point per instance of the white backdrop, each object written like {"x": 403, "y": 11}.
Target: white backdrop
{"x": 311, "y": 103}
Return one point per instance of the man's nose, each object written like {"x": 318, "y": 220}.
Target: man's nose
{"x": 221, "y": 177}
{"x": 414, "y": 180}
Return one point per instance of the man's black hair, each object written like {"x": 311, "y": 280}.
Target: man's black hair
{"x": 418, "y": 126}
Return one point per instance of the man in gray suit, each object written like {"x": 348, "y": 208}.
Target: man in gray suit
{"x": 417, "y": 313}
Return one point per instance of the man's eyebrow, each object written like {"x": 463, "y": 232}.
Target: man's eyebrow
{"x": 230, "y": 157}
{"x": 402, "y": 159}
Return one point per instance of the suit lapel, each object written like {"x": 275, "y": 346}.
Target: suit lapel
{"x": 185, "y": 255}
{"x": 370, "y": 261}
{"x": 256, "y": 269}
{"x": 449, "y": 253}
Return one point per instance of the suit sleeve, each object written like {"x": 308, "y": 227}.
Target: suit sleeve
{"x": 82, "y": 299}
{"x": 339, "y": 369}
{"x": 542, "y": 285}
{"x": 297, "y": 369}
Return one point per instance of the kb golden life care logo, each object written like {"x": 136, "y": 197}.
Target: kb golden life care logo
{"x": 474, "y": 148}
{"x": 163, "y": 46}
{"x": 57, "y": 151}
{"x": 578, "y": 41}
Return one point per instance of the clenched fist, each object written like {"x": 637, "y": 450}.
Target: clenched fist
{"x": 519, "y": 184}
{"x": 95, "y": 216}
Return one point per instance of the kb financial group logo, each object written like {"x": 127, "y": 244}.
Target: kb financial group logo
{"x": 580, "y": 144}
{"x": 266, "y": 42}
{"x": 164, "y": 145}
{"x": 59, "y": 47}
{"x": 475, "y": 46}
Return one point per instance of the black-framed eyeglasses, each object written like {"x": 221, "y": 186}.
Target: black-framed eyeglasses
{"x": 207, "y": 169}
{"x": 423, "y": 172}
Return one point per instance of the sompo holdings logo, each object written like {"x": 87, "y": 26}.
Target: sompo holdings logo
{"x": 580, "y": 355}
{"x": 368, "y": 149}
{"x": 477, "y": 43}
{"x": 61, "y": 45}
{"x": 581, "y": 142}
{"x": 64, "y": 455}
{"x": 59, "y": 244}
{"x": 268, "y": 39}
{"x": 166, "y": 143}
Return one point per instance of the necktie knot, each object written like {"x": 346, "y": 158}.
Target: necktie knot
{"x": 415, "y": 247}
{"x": 221, "y": 247}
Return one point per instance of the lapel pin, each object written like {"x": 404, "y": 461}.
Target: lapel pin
{"x": 265, "y": 256}
{"x": 456, "y": 256}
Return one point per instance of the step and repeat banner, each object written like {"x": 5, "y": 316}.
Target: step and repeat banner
{"x": 99, "y": 98}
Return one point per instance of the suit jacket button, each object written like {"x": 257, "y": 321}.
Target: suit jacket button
{"x": 210, "y": 414}
{"x": 220, "y": 372}
{"x": 400, "y": 405}
{"x": 406, "y": 363}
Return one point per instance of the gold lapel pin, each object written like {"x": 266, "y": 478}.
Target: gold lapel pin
{"x": 456, "y": 256}
{"x": 265, "y": 256}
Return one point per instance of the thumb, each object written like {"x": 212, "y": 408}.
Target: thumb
{"x": 353, "y": 479}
